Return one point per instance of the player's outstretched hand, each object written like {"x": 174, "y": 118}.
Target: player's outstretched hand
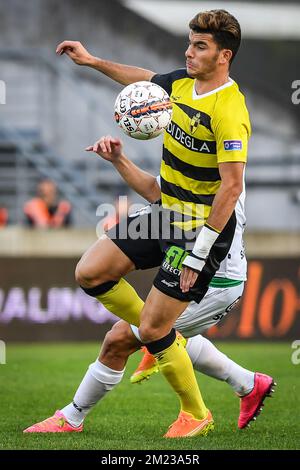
{"x": 109, "y": 148}
{"x": 76, "y": 51}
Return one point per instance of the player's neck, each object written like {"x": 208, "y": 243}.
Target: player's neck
{"x": 205, "y": 85}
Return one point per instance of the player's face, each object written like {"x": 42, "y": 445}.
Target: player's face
{"x": 202, "y": 55}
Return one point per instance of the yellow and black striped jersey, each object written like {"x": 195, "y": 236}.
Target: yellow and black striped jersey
{"x": 205, "y": 130}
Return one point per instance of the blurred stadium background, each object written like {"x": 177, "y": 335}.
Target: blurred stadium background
{"x": 54, "y": 109}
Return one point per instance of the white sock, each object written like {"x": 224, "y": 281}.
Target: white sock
{"x": 98, "y": 380}
{"x": 206, "y": 358}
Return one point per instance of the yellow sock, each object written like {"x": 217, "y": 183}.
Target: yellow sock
{"x": 176, "y": 366}
{"x": 122, "y": 300}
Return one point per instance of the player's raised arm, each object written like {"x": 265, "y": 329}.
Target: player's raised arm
{"x": 121, "y": 73}
{"x": 111, "y": 149}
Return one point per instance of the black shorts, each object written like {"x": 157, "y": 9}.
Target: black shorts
{"x": 142, "y": 239}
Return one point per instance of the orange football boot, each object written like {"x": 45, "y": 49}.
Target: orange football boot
{"x": 188, "y": 426}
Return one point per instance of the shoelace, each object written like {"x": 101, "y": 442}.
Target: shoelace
{"x": 58, "y": 420}
{"x": 181, "y": 419}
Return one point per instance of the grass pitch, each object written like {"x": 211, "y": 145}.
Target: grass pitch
{"x": 39, "y": 379}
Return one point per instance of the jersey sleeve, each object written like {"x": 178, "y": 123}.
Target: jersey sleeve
{"x": 166, "y": 80}
{"x": 232, "y": 131}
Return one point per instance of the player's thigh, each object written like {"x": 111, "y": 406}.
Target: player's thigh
{"x": 214, "y": 306}
{"x": 159, "y": 314}
{"x": 135, "y": 238}
{"x": 103, "y": 261}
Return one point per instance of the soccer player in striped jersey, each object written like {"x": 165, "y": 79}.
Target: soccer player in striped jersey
{"x": 205, "y": 150}
{"x": 224, "y": 292}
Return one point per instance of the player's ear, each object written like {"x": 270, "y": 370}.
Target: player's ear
{"x": 225, "y": 56}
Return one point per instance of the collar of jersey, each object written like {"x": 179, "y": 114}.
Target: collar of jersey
{"x": 198, "y": 97}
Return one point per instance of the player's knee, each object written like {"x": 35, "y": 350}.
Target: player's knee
{"x": 156, "y": 340}
{"x": 85, "y": 276}
{"x": 119, "y": 341}
{"x": 149, "y": 333}
{"x": 79, "y": 274}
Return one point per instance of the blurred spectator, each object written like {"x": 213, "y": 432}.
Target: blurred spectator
{"x": 3, "y": 217}
{"x": 46, "y": 210}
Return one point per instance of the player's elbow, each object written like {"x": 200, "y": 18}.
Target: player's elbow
{"x": 234, "y": 188}
{"x": 152, "y": 194}
{"x": 152, "y": 197}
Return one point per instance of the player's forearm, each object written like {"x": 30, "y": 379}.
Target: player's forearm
{"x": 124, "y": 74}
{"x": 139, "y": 180}
{"x": 223, "y": 206}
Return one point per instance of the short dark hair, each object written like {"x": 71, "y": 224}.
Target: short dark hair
{"x": 223, "y": 26}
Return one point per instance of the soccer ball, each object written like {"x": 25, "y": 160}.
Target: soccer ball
{"x": 143, "y": 110}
